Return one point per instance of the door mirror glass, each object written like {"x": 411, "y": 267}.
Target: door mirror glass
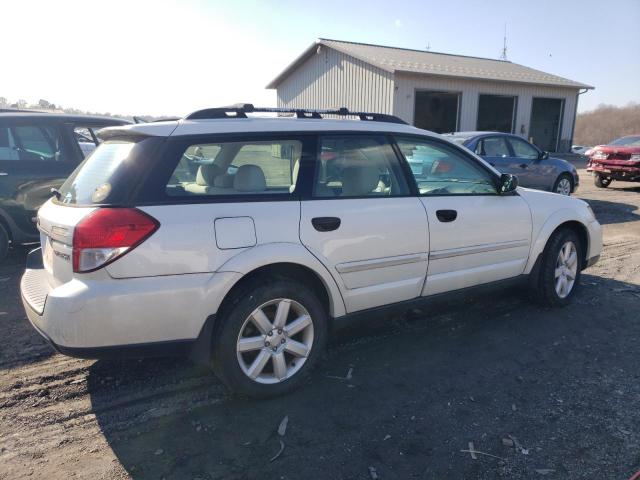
{"x": 508, "y": 183}
{"x": 543, "y": 155}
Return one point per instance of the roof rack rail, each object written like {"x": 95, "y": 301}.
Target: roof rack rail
{"x": 240, "y": 110}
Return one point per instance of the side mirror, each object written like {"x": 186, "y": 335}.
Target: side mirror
{"x": 543, "y": 155}
{"x": 508, "y": 183}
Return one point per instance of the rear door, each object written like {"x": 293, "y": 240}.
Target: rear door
{"x": 35, "y": 155}
{"x": 362, "y": 221}
{"x": 476, "y": 235}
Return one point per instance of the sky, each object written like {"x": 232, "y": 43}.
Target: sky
{"x": 140, "y": 57}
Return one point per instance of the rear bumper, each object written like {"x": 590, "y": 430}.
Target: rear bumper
{"x": 130, "y": 317}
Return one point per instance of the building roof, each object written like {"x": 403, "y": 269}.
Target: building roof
{"x": 394, "y": 60}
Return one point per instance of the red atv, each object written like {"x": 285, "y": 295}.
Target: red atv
{"x": 618, "y": 160}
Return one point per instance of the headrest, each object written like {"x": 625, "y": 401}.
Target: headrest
{"x": 249, "y": 178}
{"x": 223, "y": 181}
{"x": 359, "y": 180}
{"x": 206, "y": 174}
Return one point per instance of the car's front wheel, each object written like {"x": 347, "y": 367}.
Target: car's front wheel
{"x": 602, "y": 181}
{"x": 559, "y": 270}
{"x": 563, "y": 185}
{"x": 271, "y": 334}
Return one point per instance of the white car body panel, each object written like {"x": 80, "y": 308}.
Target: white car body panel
{"x": 186, "y": 241}
{"x": 488, "y": 241}
{"x": 386, "y": 249}
{"x": 379, "y": 253}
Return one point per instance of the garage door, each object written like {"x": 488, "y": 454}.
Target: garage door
{"x": 496, "y": 113}
{"x": 546, "y": 115}
{"x": 437, "y": 111}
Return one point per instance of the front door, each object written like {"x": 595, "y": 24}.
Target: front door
{"x": 363, "y": 224}
{"x": 539, "y": 174}
{"x": 476, "y": 236}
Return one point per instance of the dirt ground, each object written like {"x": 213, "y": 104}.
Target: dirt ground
{"x": 564, "y": 383}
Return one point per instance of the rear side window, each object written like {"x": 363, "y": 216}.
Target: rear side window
{"x": 232, "y": 168}
{"x": 358, "y": 166}
{"x": 108, "y": 174}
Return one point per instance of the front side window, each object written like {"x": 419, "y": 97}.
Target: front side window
{"x": 442, "y": 170}
{"x": 522, "y": 149}
{"x": 493, "y": 147}
{"x": 231, "y": 168}
{"x": 358, "y": 166}
{"x": 37, "y": 143}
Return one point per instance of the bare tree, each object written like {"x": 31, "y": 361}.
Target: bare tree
{"x": 606, "y": 123}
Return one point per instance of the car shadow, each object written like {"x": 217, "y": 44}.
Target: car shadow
{"x": 399, "y": 395}
{"x": 20, "y": 344}
{"x": 613, "y": 212}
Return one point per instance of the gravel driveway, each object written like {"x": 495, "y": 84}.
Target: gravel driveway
{"x": 550, "y": 394}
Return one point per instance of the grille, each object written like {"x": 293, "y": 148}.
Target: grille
{"x": 35, "y": 288}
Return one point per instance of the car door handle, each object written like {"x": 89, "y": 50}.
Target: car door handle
{"x": 4, "y": 174}
{"x": 325, "y": 224}
{"x": 446, "y": 215}
{"x": 523, "y": 165}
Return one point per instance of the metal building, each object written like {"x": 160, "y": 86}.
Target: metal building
{"x": 434, "y": 91}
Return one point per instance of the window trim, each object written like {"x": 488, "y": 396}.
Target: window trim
{"x": 388, "y": 137}
{"x": 465, "y": 153}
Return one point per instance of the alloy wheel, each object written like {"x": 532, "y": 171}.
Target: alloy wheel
{"x": 564, "y": 187}
{"x": 275, "y": 341}
{"x": 566, "y": 269}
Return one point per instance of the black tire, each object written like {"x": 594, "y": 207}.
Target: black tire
{"x": 563, "y": 176}
{"x": 601, "y": 181}
{"x": 232, "y": 317}
{"x": 4, "y": 243}
{"x": 543, "y": 284}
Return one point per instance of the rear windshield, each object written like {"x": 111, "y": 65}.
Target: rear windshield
{"x": 107, "y": 175}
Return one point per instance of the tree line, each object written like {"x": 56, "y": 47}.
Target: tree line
{"x": 606, "y": 123}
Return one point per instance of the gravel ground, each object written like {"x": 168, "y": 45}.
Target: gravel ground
{"x": 395, "y": 398}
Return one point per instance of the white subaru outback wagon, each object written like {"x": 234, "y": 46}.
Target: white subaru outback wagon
{"x": 240, "y": 240}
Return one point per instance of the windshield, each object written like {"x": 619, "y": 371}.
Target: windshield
{"x": 630, "y": 141}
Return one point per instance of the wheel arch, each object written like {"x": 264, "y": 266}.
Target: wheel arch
{"x": 291, "y": 260}
{"x": 561, "y": 219}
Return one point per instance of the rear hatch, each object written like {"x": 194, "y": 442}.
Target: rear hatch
{"x": 105, "y": 180}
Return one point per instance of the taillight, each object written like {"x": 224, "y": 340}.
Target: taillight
{"x": 109, "y": 233}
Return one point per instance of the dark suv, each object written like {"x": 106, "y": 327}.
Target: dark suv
{"x": 37, "y": 152}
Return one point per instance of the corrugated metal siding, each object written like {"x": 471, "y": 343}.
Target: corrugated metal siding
{"x": 407, "y": 84}
{"x": 332, "y": 79}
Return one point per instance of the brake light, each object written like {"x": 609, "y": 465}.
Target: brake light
{"x": 107, "y": 234}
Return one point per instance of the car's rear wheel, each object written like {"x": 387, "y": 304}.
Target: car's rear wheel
{"x": 4, "y": 243}
{"x": 559, "y": 269}
{"x": 563, "y": 185}
{"x": 269, "y": 336}
{"x": 601, "y": 181}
